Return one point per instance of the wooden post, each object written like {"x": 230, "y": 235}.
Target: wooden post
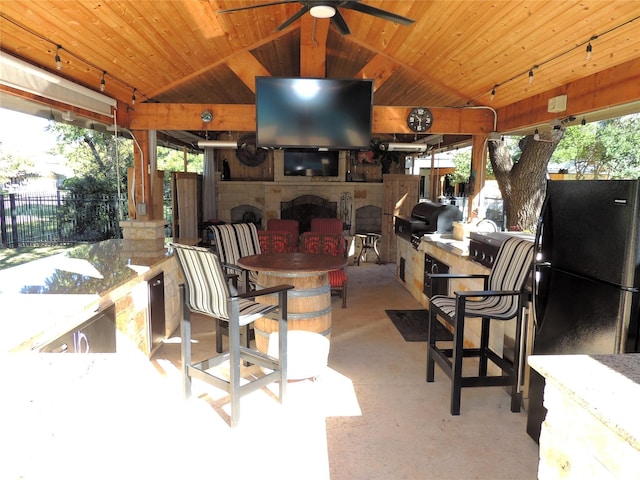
{"x": 478, "y": 169}
{"x": 141, "y": 181}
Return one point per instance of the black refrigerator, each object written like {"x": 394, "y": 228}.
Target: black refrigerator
{"x": 586, "y": 275}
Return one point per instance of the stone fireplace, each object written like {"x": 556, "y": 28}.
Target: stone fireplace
{"x": 265, "y": 199}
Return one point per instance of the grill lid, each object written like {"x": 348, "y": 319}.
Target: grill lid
{"x": 437, "y": 217}
{"x": 425, "y": 210}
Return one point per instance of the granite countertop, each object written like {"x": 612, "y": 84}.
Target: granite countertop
{"x": 446, "y": 242}
{"x": 607, "y": 386}
{"x": 54, "y": 294}
{"x": 99, "y": 416}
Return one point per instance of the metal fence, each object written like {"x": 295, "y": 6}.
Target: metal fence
{"x": 58, "y": 218}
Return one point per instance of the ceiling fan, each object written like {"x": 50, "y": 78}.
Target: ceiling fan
{"x": 329, "y": 9}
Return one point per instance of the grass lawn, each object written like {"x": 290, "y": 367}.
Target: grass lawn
{"x": 10, "y": 257}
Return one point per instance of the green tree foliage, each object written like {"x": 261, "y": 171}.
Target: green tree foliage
{"x": 97, "y": 158}
{"x": 14, "y": 168}
{"x": 608, "y": 149}
{"x": 602, "y": 150}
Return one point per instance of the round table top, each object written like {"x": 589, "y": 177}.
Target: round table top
{"x": 292, "y": 262}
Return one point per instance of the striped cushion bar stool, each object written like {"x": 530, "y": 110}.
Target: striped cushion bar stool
{"x": 206, "y": 291}
{"x": 231, "y": 242}
{"x": 502, "y": 299}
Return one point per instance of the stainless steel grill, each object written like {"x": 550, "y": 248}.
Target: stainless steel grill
{"x": 427, "y": 217}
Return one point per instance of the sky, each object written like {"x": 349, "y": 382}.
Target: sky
{"x": 22, "y": 134}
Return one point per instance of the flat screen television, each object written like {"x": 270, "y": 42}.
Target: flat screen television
{"x": 313, "y": 112}
{"x": 310, "y": 163}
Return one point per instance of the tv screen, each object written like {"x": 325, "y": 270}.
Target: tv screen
{"x": 310, "y": 163}
{"x": 313, "y": 112}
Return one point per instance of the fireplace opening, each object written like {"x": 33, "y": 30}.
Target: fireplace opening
{"x": 369, "y": 219}
{"x": 306, "y": 207}
{"x": 246, "y": 214}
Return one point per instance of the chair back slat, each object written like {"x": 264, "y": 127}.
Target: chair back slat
{"x": 233, "y": 241}
{"x": 206, "y": 289}
{"x": 509, "y": 273}
{"x": 512, "y": 265}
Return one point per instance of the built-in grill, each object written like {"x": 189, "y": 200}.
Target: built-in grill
{"x": 426, "y": 217}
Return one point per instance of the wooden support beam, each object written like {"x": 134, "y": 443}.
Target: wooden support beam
{"x": 247, "y": 68}
{"x": 478, "y": 167}
{"x": 379, "y": 69}
{"x": 313, "y": 47}
{"x": 141, "y": 181}
{"x": 173, "y": 116}
{"x": 610, "y": 88}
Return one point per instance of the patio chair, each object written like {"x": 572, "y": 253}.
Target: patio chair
{"x": 276, "y": 241}
{"x": 503, "y": 298}
{"x": 285, "y": 225}
{"x": 327, "y": 225}
{"x": 206, "y": 291}
{"x": 328, "y": 244}
{"x": 231, "y": 242}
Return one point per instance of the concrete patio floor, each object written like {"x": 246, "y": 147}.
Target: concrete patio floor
{"x": 370, "y": 415}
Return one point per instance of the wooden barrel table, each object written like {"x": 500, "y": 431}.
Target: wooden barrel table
{"x": 309, "y": 303}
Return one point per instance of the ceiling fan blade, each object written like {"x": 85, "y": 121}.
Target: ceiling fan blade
{"x": 237, "y": 9}
{"x": 376, "y": 12}
{"x": 293, "y": 18}
{"x": 340, "y": 24}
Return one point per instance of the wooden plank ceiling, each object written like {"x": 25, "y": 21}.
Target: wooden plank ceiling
{"x": 454, "y": 55}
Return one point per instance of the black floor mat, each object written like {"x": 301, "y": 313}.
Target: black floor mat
{"x": 412, "y": 324}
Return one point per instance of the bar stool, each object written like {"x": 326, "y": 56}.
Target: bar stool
{"x": 369, "y": 241}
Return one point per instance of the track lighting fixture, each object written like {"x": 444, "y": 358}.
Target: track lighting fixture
{"x": 589, "y": 50}
{"x": 102, "y": 81}
{"x": 58, "y": 61}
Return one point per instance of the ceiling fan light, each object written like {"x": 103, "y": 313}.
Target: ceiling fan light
{"x": 322, "y": 11}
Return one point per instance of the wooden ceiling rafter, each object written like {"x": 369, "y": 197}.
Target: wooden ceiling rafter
{"x": 409, "y": 68}
{"x": 217, "y": 63}
{"x": 181, "y": 51}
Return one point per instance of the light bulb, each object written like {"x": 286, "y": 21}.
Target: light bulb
{"x": 589, "y": 50}
{"x": 133, "y": 97}
{"x": 58, "y": 61}
{"x": 530, "y": 76}
{"x": 102, "y": 82}
{"x": 493, "y": 94}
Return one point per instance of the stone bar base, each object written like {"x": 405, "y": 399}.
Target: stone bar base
{"x": 143, "y": 230}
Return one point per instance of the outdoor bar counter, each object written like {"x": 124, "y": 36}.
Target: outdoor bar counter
{"x": 49, "y": 297}
{"x": 592, "y": 427}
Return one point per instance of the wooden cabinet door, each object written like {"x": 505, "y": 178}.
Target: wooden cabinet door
{"x": 401, "y": 193}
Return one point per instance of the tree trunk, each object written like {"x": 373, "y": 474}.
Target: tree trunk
{"x": 522, "y": 182}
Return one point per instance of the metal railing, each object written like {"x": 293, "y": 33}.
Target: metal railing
{"x": 32, "y": 219}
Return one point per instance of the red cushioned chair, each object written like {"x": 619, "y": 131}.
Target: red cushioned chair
{"x": 276, "y": 241}
{"x": 285, "y": 225}
{"x": 328, "y": 244}
{"x": 326, "y": 225}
